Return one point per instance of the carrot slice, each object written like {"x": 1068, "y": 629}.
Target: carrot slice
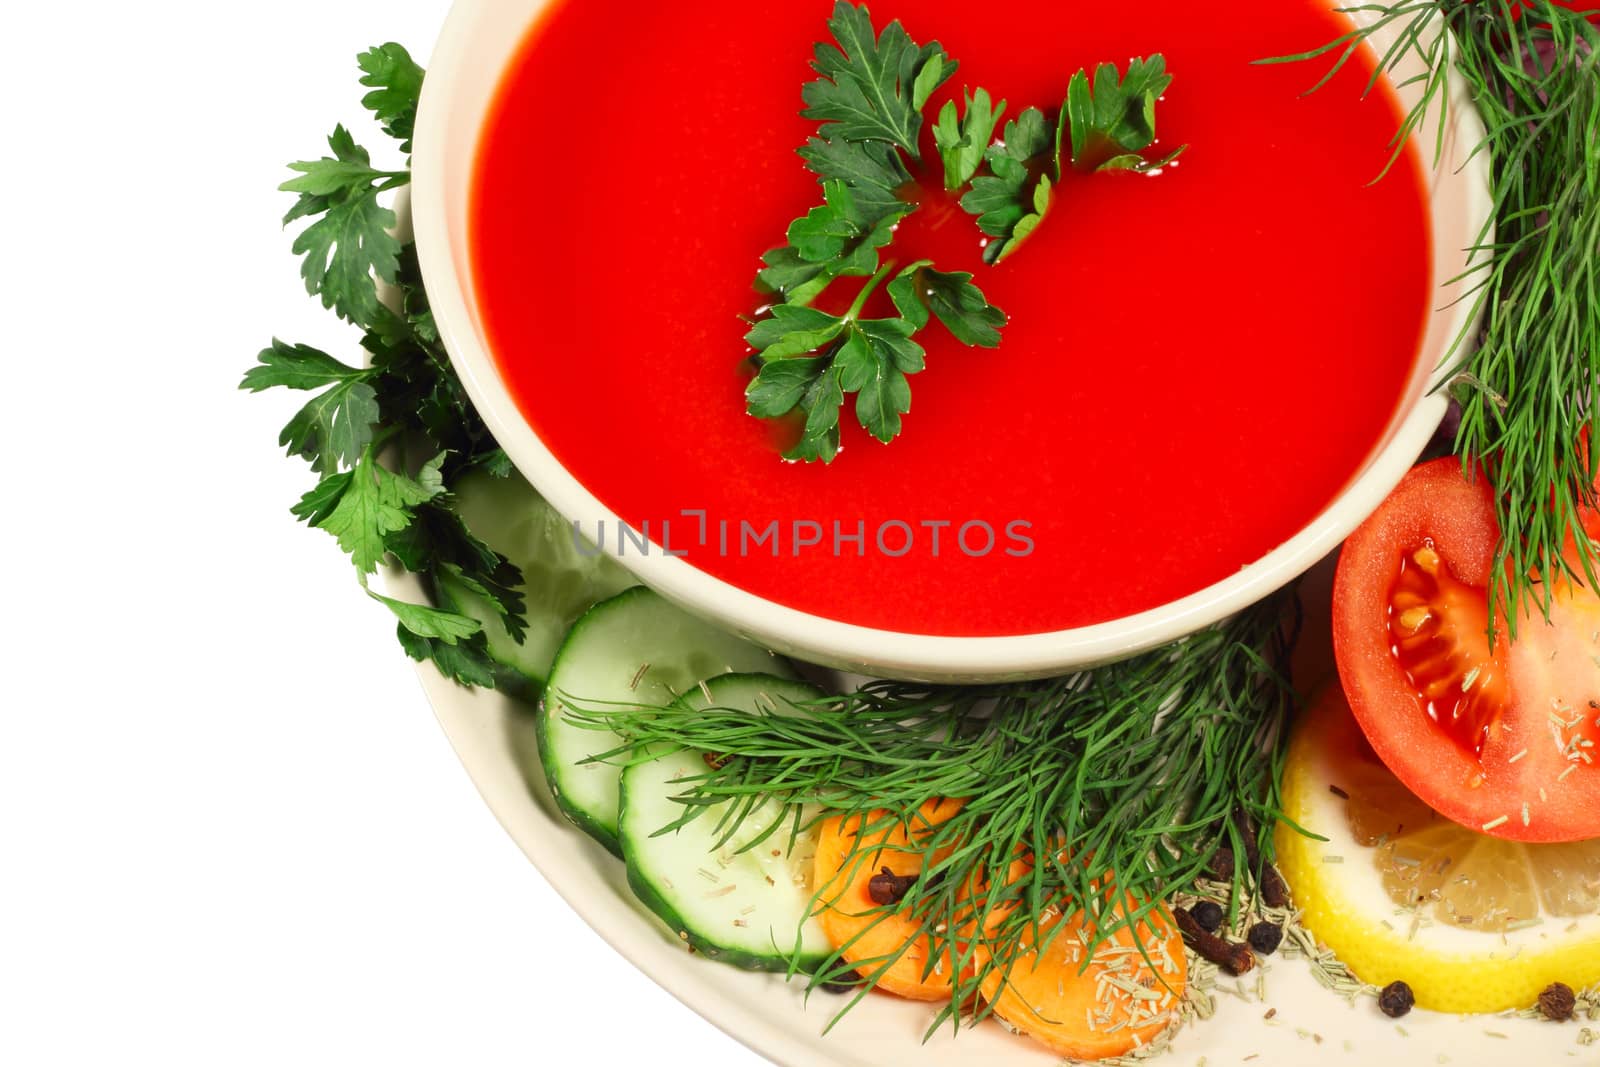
{"x": 857, "y": 925}
{"x": 1109, "y": 1008}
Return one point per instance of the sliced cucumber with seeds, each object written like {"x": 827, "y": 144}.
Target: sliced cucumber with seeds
{"x": 638, "y": 649}
{"x": 742, "y": 901}
{"x": 560, "y": 583}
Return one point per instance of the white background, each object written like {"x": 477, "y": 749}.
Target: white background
{"x": 230, "y": 831}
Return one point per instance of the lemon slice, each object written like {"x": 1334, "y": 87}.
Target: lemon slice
{"x": 1472, "y": 923}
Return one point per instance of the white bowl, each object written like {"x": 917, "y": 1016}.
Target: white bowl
{"x": 480, "y": 39}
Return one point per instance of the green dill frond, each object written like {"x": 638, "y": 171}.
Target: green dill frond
{"x": 1529, "y": 380}
{"x": 1131, "y": 774}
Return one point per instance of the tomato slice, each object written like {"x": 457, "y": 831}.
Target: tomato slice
{"x": 1505, "y": 740}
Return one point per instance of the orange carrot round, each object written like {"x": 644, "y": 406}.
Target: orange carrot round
{"x": 1110, "y": 1007}
{"x": 889, "y": 949}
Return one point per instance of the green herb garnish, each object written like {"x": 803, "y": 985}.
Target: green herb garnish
{"x": 351, "y": 238}
{"x": 963, "y": 136}
{"x": 1105, "y": 128}
{"x": 868, "y": 357}
{"x": 388, "y": 438}
{"x": 1528, "y": 392}
{"x": 1136, "y": 771}
{"x": 870, "y": 97}
{"x": 1010, "y": 201}
{"x": 872, "y": 87}
{"x": 1116, "y": 120}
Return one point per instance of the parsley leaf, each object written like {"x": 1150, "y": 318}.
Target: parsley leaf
{"x": 962, "y": 307}
{"x": 1108, "y": 126}
{"x": 782, "y": 385}
{"x": 964, "y": 139}
{"x": 1117, "y": 120}
{"x": 333, "y": 427}
{"x": 374, "y": 503}
{"x": 821, "y": 404}
{"x": 396, "y": 83}
{"x": 1013, "y": 197}
{"x": 875, "y": 173}
{"x": 353, "y": 241}
{"x": 908, "y": 296}
{"x": 467, "y": 661}
{"x": 873, "y": 87}
{"x": 429, "y": 623}
{"x": 920, "y": 290}
{"x": 319, "y": 503}
{"x": 296, "y": 367}
{"x": 883, "y": 355}
{"x": 825, "y": 232}
{"x": 794, "y": 331}
{"x": 829, "y": 242}
{"x": 812, "y": 359}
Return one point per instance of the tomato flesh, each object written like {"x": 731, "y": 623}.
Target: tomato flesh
{"x": 1438, "y": 629}
{"x": 1502, "y": 739}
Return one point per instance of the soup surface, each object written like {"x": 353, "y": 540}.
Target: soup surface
{"x": 1197, "y": 362}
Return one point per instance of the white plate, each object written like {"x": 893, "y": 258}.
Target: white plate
{"x": 1311, "y": 1026}
{"x": 494, "y": 740}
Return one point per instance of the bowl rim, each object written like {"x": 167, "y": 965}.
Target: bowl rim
{"x": 870, "y": 650}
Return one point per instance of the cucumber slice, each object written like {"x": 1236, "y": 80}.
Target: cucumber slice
{"x": 746, "y": 908}
{"x": 635, "y": 648}
{"x": 559, "y": 582}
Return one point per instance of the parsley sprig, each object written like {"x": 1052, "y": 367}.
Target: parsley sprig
{"x": 870, "y": 97}
{"x": 1100, "y": 129}
{"x": 389, "y": 437}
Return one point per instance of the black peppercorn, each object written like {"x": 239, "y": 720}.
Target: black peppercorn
{"x": 1208, "y": 915}
{"x": 1396, "y": 999}
{"x": 1556, "y": 1002}
{"x": 1265, "y": 937}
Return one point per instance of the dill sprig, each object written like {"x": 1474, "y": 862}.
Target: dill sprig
{"x": 1528, "y": 389}
{"x": 1135, "y": 773}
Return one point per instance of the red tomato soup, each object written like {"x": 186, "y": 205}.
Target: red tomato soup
{"x": 1197, "y": 362}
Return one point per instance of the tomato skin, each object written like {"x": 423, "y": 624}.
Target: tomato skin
{"x": 1435, "y": 504}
